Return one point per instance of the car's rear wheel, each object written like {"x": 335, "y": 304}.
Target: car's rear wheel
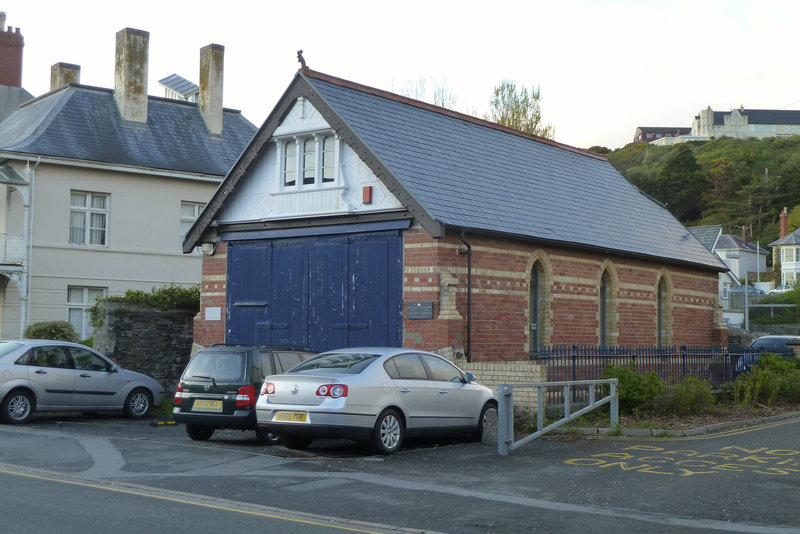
{"x": 387, "y": 436}
{"x": 266, "y": 438}
{"x": 138, "y": 404}
{"x": 17, "y": 407}
{"x": 199, "y": 433}
{"x": 487, "y": 424}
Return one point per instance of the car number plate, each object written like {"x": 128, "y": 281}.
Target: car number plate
{"x": 294, "y": 417}
{"x": 207, "y": 405}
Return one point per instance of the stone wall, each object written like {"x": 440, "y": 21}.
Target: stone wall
{"x": 148, "y": 340}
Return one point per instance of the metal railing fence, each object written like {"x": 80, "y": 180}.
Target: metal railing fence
{"x": 716, "y": 365}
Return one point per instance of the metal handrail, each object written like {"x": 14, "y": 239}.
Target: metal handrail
{"x": 505, "y": 409}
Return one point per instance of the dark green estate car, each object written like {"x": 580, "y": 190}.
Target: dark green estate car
{"x": 220, "y": 386}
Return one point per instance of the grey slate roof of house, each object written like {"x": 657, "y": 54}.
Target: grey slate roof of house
{"x": 734, "y": 242}
{"x": 468, "y": 174}
{"x": 792, "y": 238}
{"x": 762, "y": 116}
{"x": 83, "y": 123}
{"x": 664, "y": 129}
{"x": 707, "y": 235}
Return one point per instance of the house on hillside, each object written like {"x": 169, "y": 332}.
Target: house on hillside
{"x": 742, "y": 123}
{"x": 648, "y": 134}
{"x": 360, "y": 217}
{"x": 102, "y": 185}
{"x": 786, "y": 251}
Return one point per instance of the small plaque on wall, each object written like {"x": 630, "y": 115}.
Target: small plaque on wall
{"x": 419, "y": 310}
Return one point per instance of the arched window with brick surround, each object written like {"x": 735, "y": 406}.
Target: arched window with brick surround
{"x": 607, "y": 318}
{"x": 664, "y": 293}
{"x": 539, "y": 297}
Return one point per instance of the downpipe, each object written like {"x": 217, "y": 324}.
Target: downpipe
{"x": 468, "y": 352}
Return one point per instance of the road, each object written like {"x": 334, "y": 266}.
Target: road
{"x": 740, "y": 480}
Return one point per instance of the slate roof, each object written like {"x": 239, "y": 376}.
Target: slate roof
{"x": 762, "y": 116}
{"x": 707, "y": 235}
{"x": 180, "y": 85}
{"x": 83, "y": 123}
{"x": 463, "y": 173}
{"x": 734, "y": 242}
{"x": 792, "y": 238}
{"x": 664, "y": 129}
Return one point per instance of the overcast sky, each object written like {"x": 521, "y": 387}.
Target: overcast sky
{"x": 604, "y": 67}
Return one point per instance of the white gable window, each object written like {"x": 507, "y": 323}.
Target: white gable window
{"x": 312, "y": 157}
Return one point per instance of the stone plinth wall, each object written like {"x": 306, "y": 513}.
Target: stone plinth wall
{"x": 148, "y": 340}
{"x": 492, "y": 374}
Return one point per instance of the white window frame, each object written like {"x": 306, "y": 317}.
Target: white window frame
{"x": 86, "y": 330}
{"x": 197, "y": 208}
{"x": 300, "y": 166}
{"x": 87, "y": 210}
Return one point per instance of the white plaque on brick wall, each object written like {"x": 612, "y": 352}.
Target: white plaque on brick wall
{"x": 213, "y": 313}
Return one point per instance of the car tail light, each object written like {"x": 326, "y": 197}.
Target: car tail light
{"x": 246, "y": 398}
{"x": 332, "y": 390}
{"x": 178, "y": 395}
{"x": 267, "y": 388}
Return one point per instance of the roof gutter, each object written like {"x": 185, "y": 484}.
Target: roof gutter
{"x": 68, "y": 162}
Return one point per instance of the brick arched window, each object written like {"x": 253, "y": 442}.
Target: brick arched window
{"x": 607, "y": 317}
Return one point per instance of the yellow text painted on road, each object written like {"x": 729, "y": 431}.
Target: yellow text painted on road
{"x": 689, "y": 462}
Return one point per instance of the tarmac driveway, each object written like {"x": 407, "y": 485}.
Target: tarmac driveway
{"x": 740, "y": 480}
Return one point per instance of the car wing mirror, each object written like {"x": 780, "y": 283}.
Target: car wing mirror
{"x": 469, "y": 377}
{"x": 113, "y": 369}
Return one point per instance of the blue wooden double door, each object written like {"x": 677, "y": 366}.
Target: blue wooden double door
{"x": 323, "y": 292}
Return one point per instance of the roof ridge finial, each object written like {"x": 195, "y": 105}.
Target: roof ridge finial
{"x": 301, "y": 60}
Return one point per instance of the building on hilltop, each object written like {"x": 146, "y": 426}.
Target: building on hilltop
{"x": 743, "y": 123}
{"x": 102, "y": 184}
{"x": 648, "y": 134}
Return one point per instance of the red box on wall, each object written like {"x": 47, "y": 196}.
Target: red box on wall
{"x": 366, "y": 192}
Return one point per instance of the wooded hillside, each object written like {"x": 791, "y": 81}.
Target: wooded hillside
{"x": 732, "y": 182}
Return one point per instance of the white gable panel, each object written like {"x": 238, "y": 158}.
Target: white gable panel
{"x": 303, "y": 117}
{"x": 261, "y": 197}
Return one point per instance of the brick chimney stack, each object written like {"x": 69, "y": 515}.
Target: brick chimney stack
{"x": 130, "y": 74}
{"x": 784, "y": 223}
{"x": 62, "y": 74}
{"x": 744, "y": 234}
{"x": 209, "y": 99}
{"x": 11, "y": 43}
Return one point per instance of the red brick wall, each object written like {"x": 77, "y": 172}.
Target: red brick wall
{"x": 212, "y": 295}
{"x": 500, "y": 273}
{"x": 11, "y": 44}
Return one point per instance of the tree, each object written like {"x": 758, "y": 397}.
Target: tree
{"x": 794, "y": 218}
{"x": 681, "y": 184}
{"x": 519, "y": 109}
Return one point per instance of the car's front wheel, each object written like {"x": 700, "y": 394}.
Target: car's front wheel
{"x": 199, "y": 433}
{"x": 138, "y": 404}
{"x": 17, "y": 407}
{"x": 387, "y": 436}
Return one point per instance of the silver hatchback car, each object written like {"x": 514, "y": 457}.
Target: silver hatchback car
{"x": 42, "y": 375}
{"x": 376, "y": 395}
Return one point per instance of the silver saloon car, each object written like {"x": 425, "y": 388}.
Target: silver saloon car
{"x": 376, "y": 395}
{"x": 43, "y": 375}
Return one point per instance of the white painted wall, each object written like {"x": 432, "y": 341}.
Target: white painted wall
{"x": 144, "y": 241}
{"x": 261, "y": 196}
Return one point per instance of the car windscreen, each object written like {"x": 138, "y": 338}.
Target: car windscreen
{"x": 350, "y": 363}
{"x": 216, "y": 366}
{"x": 8, "y": 346}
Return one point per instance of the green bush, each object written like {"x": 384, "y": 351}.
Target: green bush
{"x": 636, "y": 391}
{"x": 772, "y": 379}
{"x": 58, "y": 330}
{"x": 690, "y": 396}
{"x": 167, "y": 297}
